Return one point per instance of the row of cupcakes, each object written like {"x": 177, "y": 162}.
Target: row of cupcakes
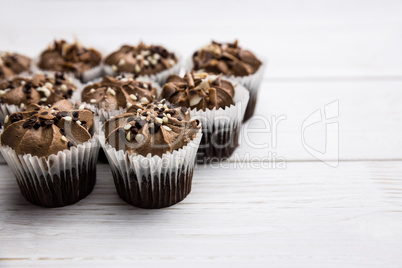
{"x": 151, "y": 145}
{"x": 152, "y": 61}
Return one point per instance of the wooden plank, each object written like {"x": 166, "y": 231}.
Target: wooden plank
{"x": 307, "y": 215}
{"x": 369, "y": 121}
{"x": 309, "y": 39}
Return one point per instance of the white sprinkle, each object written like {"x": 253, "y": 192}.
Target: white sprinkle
{"x": 92, "y": 90}
{"x": 145, "y": 52}
{"x": 63, "y": 138}
{"x": 2, "y": 92}
{"x": 138, "y": 57}
{"x": 158, "y": 120}
{"x": 139, "y": 137}
{"x": 121, "y": 62}
{"x": 93, "y": 101}
{"x": 69, "y": 79}
{"x": 151, "y": 124}
{"x": 63, "y": 87}
{"x": 114, "y": 68}
{"x": 129, "y": 104}
{"x": 82, "y": 107}
{"x": 22, "y": 83}
{"x": 143, "y": 117}
{"x": 195, "y": 100}
{"x": 43, "y": 99}
{"x": 68, "y": 118}
{"x": 48, "y": 85}
{"x": 6, "y": 119}
{"x": 124, "y": 79}
{"x": 52, "y": 111}
{"x": 165, "y": 119}
{"x": 168, "y": 115}
{"x": 148, "y": 112}
{"x": 144, "y": 100}
{"x": 137, "y": 68}
{"x": 23, "y": 105}
{"x": 167, "y": 128}
{"x": 133, "y": 97}
{"x": 146, "y": 63}
{"x": 171, "y": 62}
{"x": 78, "y": 122}
{"x": 157, "y": 56}
{"x": 111, "y": 91}
{"x": 128, "y": 136}
{"x": 127, "y": 127}
{"x": 46, "y": 92}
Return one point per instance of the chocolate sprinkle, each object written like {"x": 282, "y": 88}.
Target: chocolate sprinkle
{"x": 44, "y": 113}
{"x": 70, "y": 144}
{"x": 130, "y": 119}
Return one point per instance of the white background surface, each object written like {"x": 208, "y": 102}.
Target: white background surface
{"x": 306, "y": 215}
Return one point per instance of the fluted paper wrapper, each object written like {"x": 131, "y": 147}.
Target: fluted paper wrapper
{"x": 105, "y": 114}
{"x": 251, "y": 82}
{"x": 59, "y": 180}
{"x": 159, "y": 78}
{"x": 221, "y": 127}
{"x": 152, "y": 181}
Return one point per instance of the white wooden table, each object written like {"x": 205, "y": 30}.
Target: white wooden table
{"x": 276, "y": 206}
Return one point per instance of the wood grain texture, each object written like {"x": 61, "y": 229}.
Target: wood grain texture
{"x": 250, "y": 211}
{"x": 307, "y": 215}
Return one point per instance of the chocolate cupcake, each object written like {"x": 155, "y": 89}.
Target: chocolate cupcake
{"x": 217, "y": 103}
{"x": 153, "y": 61}
{"x": 111, "y": 96}
{"x": 51, "y": 153}
{"x": 83, "y": 62}
{"x": 151, "y": 152}
{"x": 234, "y": 63}
{"x": 12, "y": 64}
{"x": 41, "y": 88}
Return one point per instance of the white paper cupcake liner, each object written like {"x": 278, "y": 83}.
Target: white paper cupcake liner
{"x": 58, "y": 180}
{"x": 160, "y": 77}
{"x": 152, "y": 181}
{"x": 251, "y": 82}
{"x": 221, "y": 127}
{"x": 103, "y": 113}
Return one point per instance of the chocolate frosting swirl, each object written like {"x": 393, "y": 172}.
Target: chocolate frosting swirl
{"x": 44, "y": 131}
{"x": 64, "y": 57}
{"x": 42, "y": 89}
{"x": 226, "y": 58}
{"x": 12, "y": 64}
{"x": 199, "y": 90}
{"x": 157, "y": 129}
{"x": 120, "y": 92}
{"x": 141, "y": 59}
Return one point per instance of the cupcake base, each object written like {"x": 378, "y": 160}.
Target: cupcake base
{"x": 164, "y": 191}
{"x": 251, "y": 106}
{"x": 58, "y": 190}
{"x": 57, "y": 180}
{"x": 217, "y": 144}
